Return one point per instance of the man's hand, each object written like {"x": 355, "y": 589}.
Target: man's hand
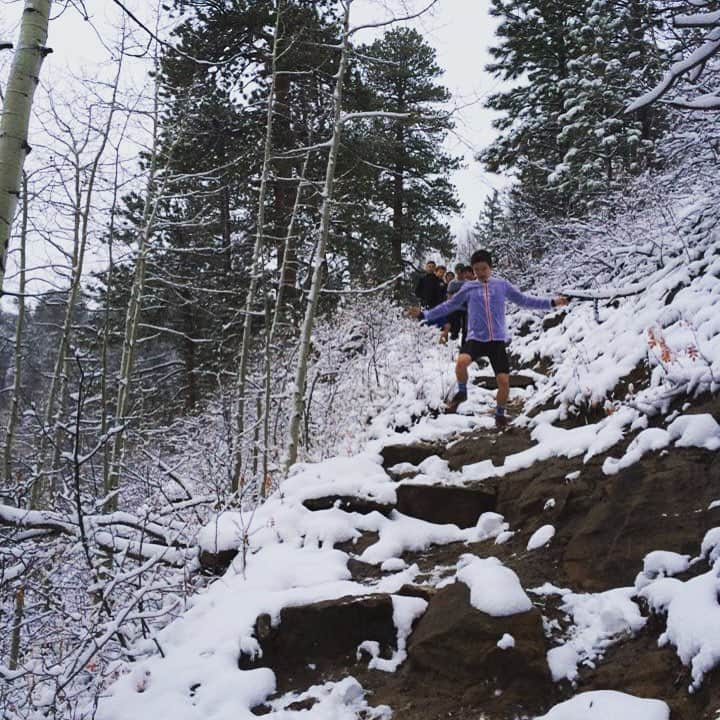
{"x": 561, "y": 300}
{"x": 414, "y": 312}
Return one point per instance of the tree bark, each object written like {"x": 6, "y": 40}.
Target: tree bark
{"x": 19, "y": 332}
{"x": 22, "y": 81}
{"x": 298, "y": 390}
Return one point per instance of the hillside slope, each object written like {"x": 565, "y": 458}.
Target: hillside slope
{"x": 450, "y": 571}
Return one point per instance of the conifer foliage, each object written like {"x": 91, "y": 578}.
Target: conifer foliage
{"x": 573, "y": 66}
{"x": 399, "y": 194}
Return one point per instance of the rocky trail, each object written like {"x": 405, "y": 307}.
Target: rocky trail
{"x": 457, "y": 665}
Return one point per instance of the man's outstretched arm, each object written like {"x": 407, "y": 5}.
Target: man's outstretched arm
{"x": 531, "y": 301}
{"x": 456, "y": 302}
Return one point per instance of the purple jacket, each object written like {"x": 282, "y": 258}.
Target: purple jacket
{"x": 485, "y": 303}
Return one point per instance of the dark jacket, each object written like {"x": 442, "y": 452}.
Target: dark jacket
{"x": 430, "y": 289}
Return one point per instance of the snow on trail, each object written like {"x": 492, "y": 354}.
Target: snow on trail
{"x": 287, "y": 556}
{"x": 606, "y": 704}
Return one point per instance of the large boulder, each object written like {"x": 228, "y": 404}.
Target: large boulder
{"x": 323, "y": 635}
{"x": 456, "y": 644}
{"x": 660, "y": 502}
{"x": 413, "y": 454}
{"x": 444, "y": 504}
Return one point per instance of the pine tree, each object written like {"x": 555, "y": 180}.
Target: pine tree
{"x": 573, "y": 66}
{"x": 604, "y": 147}
{"x": 396, "y": 194}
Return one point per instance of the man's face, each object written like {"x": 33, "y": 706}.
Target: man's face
{"x": 482, "y": 270}
{"x": 440, "y": 272}
{"x": 430, "y": 267}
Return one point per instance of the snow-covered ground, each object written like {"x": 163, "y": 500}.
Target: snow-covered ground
{"x": 667, "y": 334}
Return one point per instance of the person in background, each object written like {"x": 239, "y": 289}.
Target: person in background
{"x": 429, "y": 288}
{"x": 485, "y": 299}
{"x": 440, "y": 271}
{"x": 456, "y": 320}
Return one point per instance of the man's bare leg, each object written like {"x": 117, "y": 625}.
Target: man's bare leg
{"x": 462, "y": 364}
{"x": 503, "y": 393}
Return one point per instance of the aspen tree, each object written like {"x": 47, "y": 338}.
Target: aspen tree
{"x": 298, "y": 389}
{"x": 14, "y": 123}
{"x": 255, "y": 267}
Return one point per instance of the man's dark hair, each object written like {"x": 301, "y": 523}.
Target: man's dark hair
{"x": 481, "y": 256}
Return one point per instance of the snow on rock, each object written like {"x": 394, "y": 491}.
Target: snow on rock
{"x": 551, "y": 441}
{"x": 647, "y": 441}
{"x": 710, "y": 547}
{"x": 343, "y": 700}
{"x": 693, "y": 624}
{"x": 599, "y": 620}
{"x": 687, "y": 431}
{"x": 494, "y": 588}
{"x": 361, "y": 475}
{"x": 393, "y": 565}
{"x": 695, "y": 431}
{"x": 506, "y": 641}
{"x": 400, "y": 533}
{"x": 406, "y": 610}
{"x": 541, "y": 537}
{"x": 606, "y": 704}
{"x": 664, "y": 562}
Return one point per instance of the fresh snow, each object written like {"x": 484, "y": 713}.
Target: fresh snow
{"x": 541, "y": 537}
{"x": 599, "y": 620}
{"x": 494, "y": 588}
{"x": 506, "y": 642}
{"x": 607, "y": 705}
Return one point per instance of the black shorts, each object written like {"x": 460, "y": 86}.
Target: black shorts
{"x": 495, "y": 351}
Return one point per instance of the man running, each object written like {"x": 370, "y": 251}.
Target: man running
{"x": 487, "y": 333}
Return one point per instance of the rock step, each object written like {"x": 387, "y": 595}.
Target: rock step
{"x": 348, "y": 503}
{"x": 413, "y": 454}
{"x": 323, "y": 634}
{"x": 443, "y": 504}
{"x": 516, "y": 381}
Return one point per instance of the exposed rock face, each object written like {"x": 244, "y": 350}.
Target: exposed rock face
{"x": 348, "y": 504}
{"x": 324, "y": 634}
{"x": 659, "y": 503}
{"x": 413, "y": 454}
{"x": 443, "y": 504}
{"x": 456, "y": 644}
{"x": 481, "y": 445}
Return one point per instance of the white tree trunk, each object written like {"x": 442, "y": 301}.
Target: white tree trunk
{"x": 22, "y": 81}
{"x": 255, "y": 271}
{"x": 298, "y": 390}
{"x": 19, "y": 332}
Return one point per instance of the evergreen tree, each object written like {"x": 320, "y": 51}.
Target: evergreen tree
{"x": 573, "y": 66}
{"x": 396, "y": 194}
{"x": 604, "y": 146}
